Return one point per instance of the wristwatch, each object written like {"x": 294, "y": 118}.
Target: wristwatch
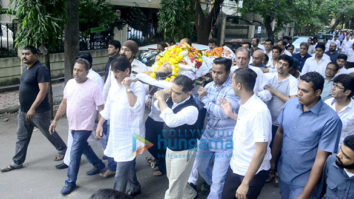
{"x": 129, "y": 90}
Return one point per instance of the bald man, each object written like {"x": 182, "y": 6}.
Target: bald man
{"x": 257, "y": 59}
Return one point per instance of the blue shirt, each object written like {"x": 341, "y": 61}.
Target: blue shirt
{"x": 339, "y": 184}
{"x": 301, "y": 60}
{"x": 219, "y": 128}
{"x": 333, "y": 56}
{"x": 304, "y": 133}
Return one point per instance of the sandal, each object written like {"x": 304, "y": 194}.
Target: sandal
{"x": 10, "y": 168}
{"x": 59, "y": 157}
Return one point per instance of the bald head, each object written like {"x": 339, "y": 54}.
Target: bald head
{"x": 257, "y": 57}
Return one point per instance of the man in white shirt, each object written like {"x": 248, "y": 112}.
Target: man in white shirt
{"x": 343, "y": 104}
{"x": 251, "y": 156}
{"x": 282, "y": 45}
{"x": 180, "y": 116}
{"x": 256, "y": 45}
{"x": 316, "y": 63}
{"x": 350, "y": 54}
{"x": 242, "y": 61}
{"x": 124, "y": 108}
{"x": 272, "y": 64}
{"x": 346, "y": 44}
{"x": 129, "y": 49}
{"x": 342, "y": 62}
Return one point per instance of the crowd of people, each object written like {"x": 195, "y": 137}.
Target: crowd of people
{"x": 269, "y": 115}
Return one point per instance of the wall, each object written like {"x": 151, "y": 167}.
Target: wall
{"x": 10, "y": 68}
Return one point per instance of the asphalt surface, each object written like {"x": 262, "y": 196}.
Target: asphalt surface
{"x": 39, "y": 179}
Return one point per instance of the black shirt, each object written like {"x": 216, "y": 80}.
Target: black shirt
{"x": 107, "y": 67}
{"x": 29, "y": 87}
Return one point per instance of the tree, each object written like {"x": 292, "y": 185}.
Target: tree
{"x": 175, "y": 17}
{"x": 40, "y": 25}
{"x": 205, "y": 19}
{"x": 71, "y": 33}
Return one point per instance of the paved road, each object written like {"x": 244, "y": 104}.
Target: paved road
{"x": 40, "y": 180}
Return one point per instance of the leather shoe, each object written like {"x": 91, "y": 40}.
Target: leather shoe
{"x": 68, "y": 189}
{"x": 95, "y": 170}
{"x": 61, "y": 166}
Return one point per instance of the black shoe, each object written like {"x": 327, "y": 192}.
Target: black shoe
{"x": 135, "y": 193}
{"x": 95, "y": 170}
{"x": 61, "y": 166}
{"x": 68, "y": 189}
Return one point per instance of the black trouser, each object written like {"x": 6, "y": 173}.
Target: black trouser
{"x": 233, "y": 181}
{"x": 153, "y": 131}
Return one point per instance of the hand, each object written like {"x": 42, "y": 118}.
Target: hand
{"x": 301, "y": 196}
{"x": 30, "y": 114}
{"x": 160, "y": 95}
{"x": 226, "y": 107}
{"x": 99, "y": 131}
{"x": 266, "y": 87}
{"x": 242, "y": 191}
{"x": 202, "y": 92}
{"x": 127, "y": 82}
{"x": 52, "y": 127}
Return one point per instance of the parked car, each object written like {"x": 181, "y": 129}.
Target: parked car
{"x": 147, "y": 54}
{"x": 7, "y": 41}
{"x": 298, "y": 40}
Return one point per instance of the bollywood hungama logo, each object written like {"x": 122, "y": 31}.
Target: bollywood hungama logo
{"x": 139, "y": 150}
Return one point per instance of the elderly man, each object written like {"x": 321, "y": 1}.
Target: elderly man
{"x": 303, "y": 55}
{"x": 257, "y": 59}
{"x": 34, "y": 108}
{"x": 81, "y": 97}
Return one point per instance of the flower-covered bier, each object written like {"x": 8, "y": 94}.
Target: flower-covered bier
{"x": 222, "y": 51}
{"x": 175, "y": 59}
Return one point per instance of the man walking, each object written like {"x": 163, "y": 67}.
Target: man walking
{"x": 125, "y": 109}
{"x": 318, "y": 62}
{"x": 180, "y": 116}
{"x": 250, "y": 160}
{"x": 216, "y": 142}
{"x": 81, "y": 97}
{"x": 34, "y": 108}
{"x": 113, "y": 52}
{"x": 308, "y": 132}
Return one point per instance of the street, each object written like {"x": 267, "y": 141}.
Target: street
{"x": 40, "y": 180}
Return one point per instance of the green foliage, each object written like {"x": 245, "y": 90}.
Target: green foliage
{"x": 175, "y": 18}
{"x": 95, "y": 13}
{"x": 40, "y": 22}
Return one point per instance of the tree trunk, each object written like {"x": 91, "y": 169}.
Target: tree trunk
{"x": 268, "y": 25}
{"x": 203, "y": 21}
{"x": 50, "y": 89}
{"x": 71, "y": 40}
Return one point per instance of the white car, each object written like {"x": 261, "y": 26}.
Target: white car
{"x": 148, "y": 53}
{"x": 7, "y": 41}
{"x": 298, "y": 41}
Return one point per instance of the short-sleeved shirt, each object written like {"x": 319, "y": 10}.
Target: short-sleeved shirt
{"x": 304, "y": 133}
{"x": 339, "y": 184}
{"x": 29, "y": 88}
{"x": 346, "y": 115}
{"x": 254, "y": 124}
{"x": 82, "y": 100}
{"x": 287, "y": 87}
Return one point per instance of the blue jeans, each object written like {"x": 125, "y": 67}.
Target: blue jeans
{"x": 80, "y": 146}
{"x": 214, "y": 175}
{"x": 125, "y": 179}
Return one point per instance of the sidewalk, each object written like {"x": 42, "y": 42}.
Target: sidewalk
{"x": 9, "y": 101}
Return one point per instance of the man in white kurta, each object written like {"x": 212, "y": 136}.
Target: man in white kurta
{"x": 124, "y": 108}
